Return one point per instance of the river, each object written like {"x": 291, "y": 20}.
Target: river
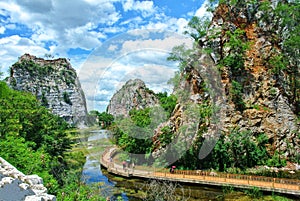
{"x": 132, "y": 189}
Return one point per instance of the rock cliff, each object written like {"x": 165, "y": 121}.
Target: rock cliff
{"x": 55, "y": 84}
{"x": 256, "y": 95}
{"x": 133, "y": 95}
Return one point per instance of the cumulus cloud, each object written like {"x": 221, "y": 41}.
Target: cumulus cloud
{"x": 145, "y": 7}
{"x": 56, "y": 27}
{"x": 202, "y": 11}
{"x": 64, "y": 24}
{"x": 13, "y": 46}
{"x": 137, "y": 54}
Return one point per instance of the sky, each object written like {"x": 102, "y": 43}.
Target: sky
{"x": 107, "y": 42}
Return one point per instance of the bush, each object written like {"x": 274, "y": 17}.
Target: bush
{"x": 254, "y": 192}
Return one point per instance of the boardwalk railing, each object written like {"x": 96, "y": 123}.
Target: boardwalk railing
{"x": 281, "y": 185}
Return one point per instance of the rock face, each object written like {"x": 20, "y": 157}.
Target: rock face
{"x": 254, "y": 98}
{"x": 55, "y": 84}
{"x": 14, "y": 185}
{"x": 133, "y": 95}
{"x": 264, "y": 99}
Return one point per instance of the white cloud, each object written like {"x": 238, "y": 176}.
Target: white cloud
{"x": 181, "y": 24}
{"x": 2, "y": 30}
{"x": 202, "y": 11}
{"x": 143, "y": 58}
{"x": 165, "y": 44}
{"x": 55, "y": 26}
{"x": 145, "y": 7}
{"x": 112, "y": 47}
{"x": 128, "y": 5}
{"x": 14, "y": 46}
{"x": 63, "y": 24}
{"x": 114, "y": 29}
{"x": 134, "y": 20}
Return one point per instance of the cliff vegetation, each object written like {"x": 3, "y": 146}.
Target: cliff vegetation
{"x": 238, "y": 88}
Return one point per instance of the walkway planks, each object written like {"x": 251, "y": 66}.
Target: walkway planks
{"x": 286, "y": 186}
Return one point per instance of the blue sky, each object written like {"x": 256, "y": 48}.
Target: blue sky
{"x": 105, "y": 40}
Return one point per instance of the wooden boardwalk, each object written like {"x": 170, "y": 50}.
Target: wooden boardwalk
{"x": 286, "y": 186}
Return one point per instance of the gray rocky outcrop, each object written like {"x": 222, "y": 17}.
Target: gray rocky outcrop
{"x": 55, "y": 84}
{"x": 133, "y": 95}
{"x": 16, "y": 186}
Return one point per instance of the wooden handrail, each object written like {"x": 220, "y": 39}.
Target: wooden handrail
{"x": 250, "y": 180}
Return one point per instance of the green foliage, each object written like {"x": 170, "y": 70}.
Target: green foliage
{"x": 175, "y": 81}
{"x": 166, "y": 137}
{"x": 44, "y": 100}
{"x": 167, "y": 102}
{"x": 141, "y": 118}
{"x": 68, "y": 75}
{"x": 276, "y": 160}
{"x": 33, "y": 68}
{"x": 254, "y": 192}
{"x": 285, "y": 37}
{"x": 180, "y": 54}
{"x": 105, "y": 119}
{"x": 19, "y": 153}
{"x": 132, "y": 134}
{"x": 31, "y": 138}
{"x": 280, "y": 198}
{"x": 131, "y": 144}
{"x": 198, "y": 29}
{"x": 227, "y": 189}
{"x": 238, "y": 150}
{"x": 237, "y": 47}
{"x": 73, "y": 187}
{"x": 244, "y": 151}
{"x": 277, "y": 64}
{"x": 236, "y": 92}
{"x": 81, "y": 192}
{"x": 296, "y": 158}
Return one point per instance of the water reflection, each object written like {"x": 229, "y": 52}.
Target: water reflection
{"x": 92, "y": 173}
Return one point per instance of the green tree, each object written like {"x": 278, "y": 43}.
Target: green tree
{"x": 197, "y": 29}
{"x": 20, "y": 154}
{"x": 237, "y": 47}
{"x": 105, "y": 118}
{"x": 32, "y": 138}
{"x": 167, "y": 102}
{"x": 236, "y": 92}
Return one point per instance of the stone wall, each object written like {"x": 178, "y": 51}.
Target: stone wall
{"x": 15, "y": 186}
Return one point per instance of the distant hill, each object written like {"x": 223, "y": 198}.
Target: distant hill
{"x": 133, "y": 95}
